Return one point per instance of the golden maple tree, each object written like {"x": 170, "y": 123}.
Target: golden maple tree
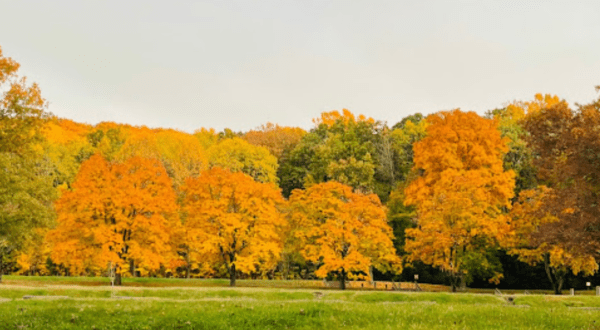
{"x": 460, "y": 196}
{"x": 237, "y": 155}
{"x": 121, "y": 214}
{"x": 67, "y": 146}
{"x": 343, "y": 232}
{"x": 33, "y": 257}
{"x": 232, "y": 220}
{"x": 346, "y": 117}
{"x": 181, "y": 154}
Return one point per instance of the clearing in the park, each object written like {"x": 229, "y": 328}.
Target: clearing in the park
{"x": 90, "y": 303}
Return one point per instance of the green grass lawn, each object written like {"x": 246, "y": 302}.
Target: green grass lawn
{"x": 213, "y": 306}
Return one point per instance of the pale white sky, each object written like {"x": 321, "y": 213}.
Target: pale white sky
{"x": 239, "y": 64}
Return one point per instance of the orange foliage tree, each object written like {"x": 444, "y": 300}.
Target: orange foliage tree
{"x": 120, "y": 214}
{"x": 232, "y": 220}
{"x": 460, "y": 195}
{"x": 277, "y": 139}
{"x": 345, "y": 233}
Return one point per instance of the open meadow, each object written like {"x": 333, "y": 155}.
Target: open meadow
{"x": 89, "y": 303}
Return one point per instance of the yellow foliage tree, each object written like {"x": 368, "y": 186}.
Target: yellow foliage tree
{"x": 233, "y": 220}
{"x": 32, "y": 260}
{"x": 346, "y": 117}
{"x": 345, "y": 233}
{"x": 67, "y": 147}
{"x": 121, "y": 214}
{"x": 181, "y": 154}
{"x": 238, "y": 155}
{"x": 207, "y": 137}
{"x": 460, "y": 196}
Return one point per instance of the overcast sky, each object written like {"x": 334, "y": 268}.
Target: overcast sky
{"x": 239, "y": 64}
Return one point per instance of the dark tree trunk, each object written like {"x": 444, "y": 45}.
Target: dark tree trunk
{"x": 1, "y": 265}
{"x": 454, "y": 281}
{"x": 343, "y": 279}
{"x": 118, "y": 279}
{"x": 556, "y": 276}
{"x": 187, "y": 265}
{"x": 285, "y": 266}
{"x": 232, "y": 275}
{"x": 560, "y": 280}
{"x": 132, "y": 268}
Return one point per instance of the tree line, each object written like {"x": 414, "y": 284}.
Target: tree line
{"x": 457, "y": 196}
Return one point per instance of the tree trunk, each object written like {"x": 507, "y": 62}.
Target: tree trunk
{"x": 454, "y": 279}
{"x": 187, "y": 264}
{"x": 343, "y": 279}
{"x": 285, "y": 265}
{"x": 232, "y": 275}
{"x": 132, "y": 267}
{"x": 118, "y": 279}
{"x": 1, "y": 265}
{"x": 556, "y": 276}
{"x": 559, "y": 279}
{"x": 463, "y": 282}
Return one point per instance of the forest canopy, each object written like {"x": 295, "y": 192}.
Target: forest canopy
{"x": 457, "y": 196}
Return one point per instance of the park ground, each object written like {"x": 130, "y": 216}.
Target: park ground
{"x": 90, "y": 303}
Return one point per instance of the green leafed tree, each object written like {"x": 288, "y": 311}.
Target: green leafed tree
{"x": 25, "y": 186}
{"x": 341, "y": 147}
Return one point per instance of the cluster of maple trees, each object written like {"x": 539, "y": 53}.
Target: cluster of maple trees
{"x": 450, "y": 190}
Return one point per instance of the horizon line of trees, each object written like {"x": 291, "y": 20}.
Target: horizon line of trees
{"x": 458, "y": 197}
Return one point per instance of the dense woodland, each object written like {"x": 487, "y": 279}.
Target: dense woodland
{"x": 508, "y": 200}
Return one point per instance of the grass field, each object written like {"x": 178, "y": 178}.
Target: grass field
{"x": 88, "y": 303}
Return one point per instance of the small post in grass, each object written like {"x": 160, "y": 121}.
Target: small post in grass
{"x": 572, "y": 291}
{"x": 111, "y": 275}
{"x": 417, "y": 288}
{"x": 598, "y": 290}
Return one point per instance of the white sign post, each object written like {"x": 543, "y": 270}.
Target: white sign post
{"x": 111, "y": 275}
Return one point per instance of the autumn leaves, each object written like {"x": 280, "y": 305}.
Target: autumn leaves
{"x": 126, "y": 215}
{"x": 233, "y": 220}
{"x": 460, "y": 196}
{"x": 457, "y": 189}
{"x": 342, "y": 231}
